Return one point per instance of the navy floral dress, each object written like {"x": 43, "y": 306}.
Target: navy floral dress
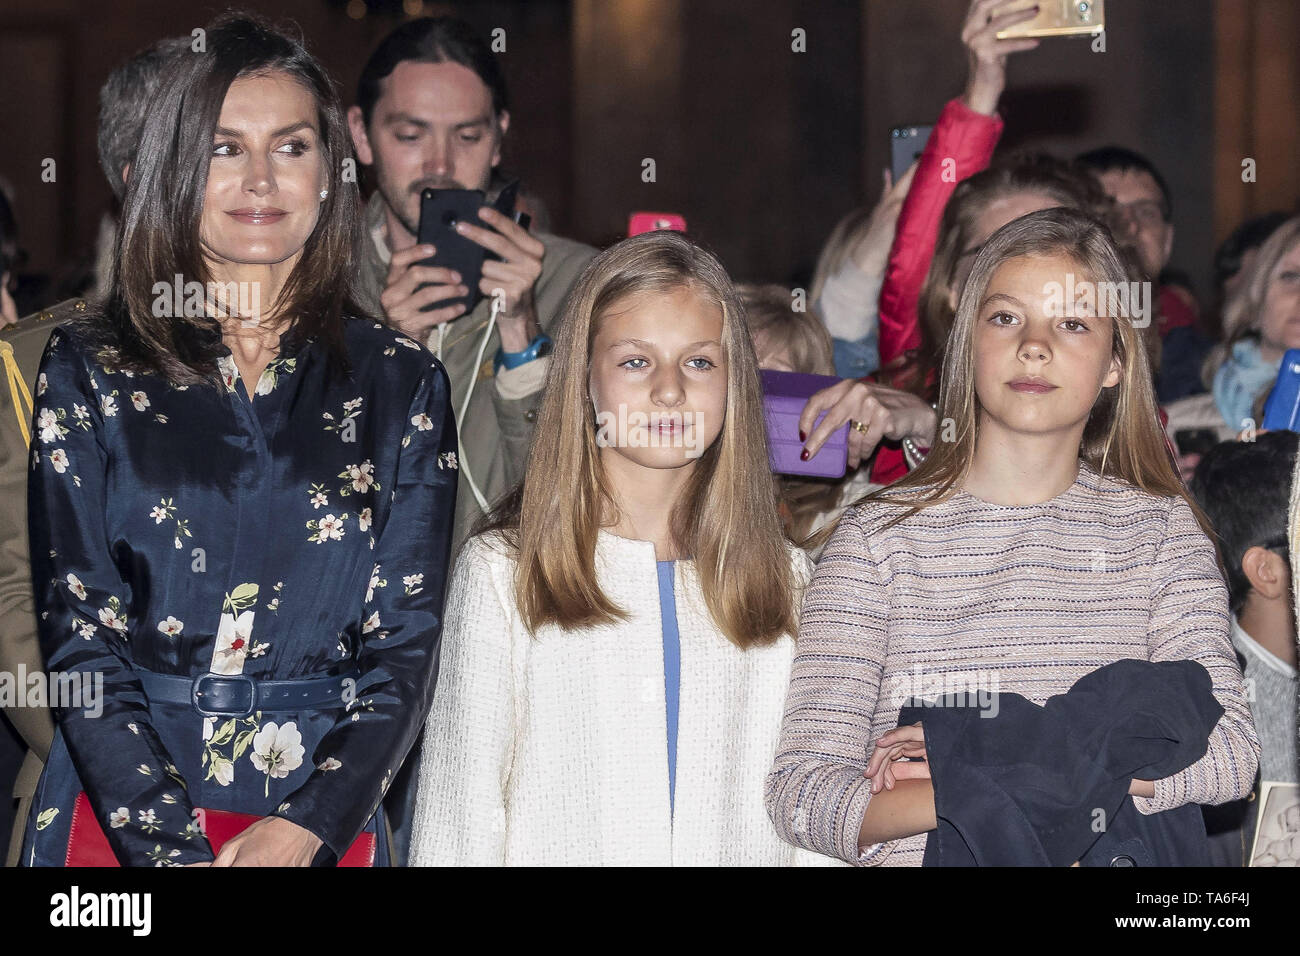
{"x": 187, "y": 530}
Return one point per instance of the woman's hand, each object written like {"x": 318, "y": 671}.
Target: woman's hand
{"x": 987, "y": 55}
{"x": 271, "y": 841}
{"x": 886, "y": 765}
{"x": 884, "y": 413}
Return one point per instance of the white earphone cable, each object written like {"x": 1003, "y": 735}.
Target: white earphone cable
{"x": 469, "y": 393}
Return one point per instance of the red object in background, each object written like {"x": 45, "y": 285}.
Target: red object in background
{"x": 88, "y": 846}
{"x": 961, "y": 145}
{"x": 640, "y": 222}
{"x": 1175, "y": 309}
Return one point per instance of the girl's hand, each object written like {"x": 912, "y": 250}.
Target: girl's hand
{"x": 870, "y": 248}
{"x": 1142, "y": 788}
{"x": 884, "y": 412}
{"x": 271, "y": 841}
{"x": 987, "y": 55}
{"x": 886, "y": 767}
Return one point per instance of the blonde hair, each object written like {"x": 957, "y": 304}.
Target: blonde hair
{"x": 1122, "y": 438}
{"x": 1243, "y": 312}
{"x": 769, "y": 311}
{"x": 726, "y": 518}
{"x": 835, "y": 252}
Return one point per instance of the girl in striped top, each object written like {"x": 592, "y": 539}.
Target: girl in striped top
{"x": 1045, "y": 536}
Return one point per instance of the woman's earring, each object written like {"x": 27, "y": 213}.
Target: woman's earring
{"x": 324, "y": 193}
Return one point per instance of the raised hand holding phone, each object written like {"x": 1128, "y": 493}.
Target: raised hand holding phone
{"x": 987, "y": 55}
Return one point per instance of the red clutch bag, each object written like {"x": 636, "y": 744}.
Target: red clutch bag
{"x": 88, "y": 846}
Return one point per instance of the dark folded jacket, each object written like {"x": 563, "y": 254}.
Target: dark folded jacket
{"x": 1046, "y": 786}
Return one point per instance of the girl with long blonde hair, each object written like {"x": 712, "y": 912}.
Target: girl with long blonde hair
{"x": 1045, "y": 536}
{"x": 619, "y": 635}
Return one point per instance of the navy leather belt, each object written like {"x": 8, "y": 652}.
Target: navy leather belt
{"x": 239, "y": 695}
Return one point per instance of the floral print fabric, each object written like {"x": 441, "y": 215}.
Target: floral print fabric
{"x": 302, "y": 532}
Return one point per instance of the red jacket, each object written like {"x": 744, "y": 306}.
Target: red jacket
{"x": 961, "y": 145}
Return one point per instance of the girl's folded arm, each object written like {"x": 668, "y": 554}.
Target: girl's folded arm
{"x": 1190, "y": 621}
{"x": 816, "y": 792}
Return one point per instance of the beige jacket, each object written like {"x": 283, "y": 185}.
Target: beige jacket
{"x": 498, "y": 424}
{"x": 21, "y": 348}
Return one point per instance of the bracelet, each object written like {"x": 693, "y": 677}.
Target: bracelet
{"x": 536, "y": 349}
{"x": 913, "y": 455}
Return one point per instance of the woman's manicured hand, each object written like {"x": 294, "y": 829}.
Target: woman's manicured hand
{"x": 884, "y": 412}
{"x": 271, "y": 841}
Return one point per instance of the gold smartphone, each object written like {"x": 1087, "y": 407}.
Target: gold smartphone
{"x": 1056, "y": 18}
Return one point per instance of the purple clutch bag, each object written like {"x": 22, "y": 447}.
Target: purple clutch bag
{"x": 784, "y": 396}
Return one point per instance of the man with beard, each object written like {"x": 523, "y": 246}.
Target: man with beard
{"x": 432, "y": 112}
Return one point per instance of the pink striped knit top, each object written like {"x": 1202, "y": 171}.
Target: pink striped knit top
{"x": 969, "y": 596}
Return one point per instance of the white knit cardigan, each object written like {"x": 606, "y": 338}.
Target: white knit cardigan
{"x": 552, "y": 750}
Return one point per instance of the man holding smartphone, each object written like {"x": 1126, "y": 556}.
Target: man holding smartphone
{"x": 431, "y": 113}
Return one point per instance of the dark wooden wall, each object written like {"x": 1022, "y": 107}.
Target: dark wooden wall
{"x": 760, "y": 147}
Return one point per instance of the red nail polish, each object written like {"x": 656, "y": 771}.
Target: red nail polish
{"x": 803, "y": 455}
{"x": 802, "y": 436}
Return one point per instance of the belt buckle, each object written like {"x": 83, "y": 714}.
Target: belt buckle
{"x": 195, "y": 693}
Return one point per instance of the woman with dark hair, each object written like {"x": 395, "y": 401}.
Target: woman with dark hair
{"x": 240, "y": 501}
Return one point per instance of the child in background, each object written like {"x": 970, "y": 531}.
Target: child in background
{"x": 787, "y": 340}
{"x": 1244, "y": 488}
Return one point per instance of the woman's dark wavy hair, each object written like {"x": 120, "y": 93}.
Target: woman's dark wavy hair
{"x": 158, "y": 235}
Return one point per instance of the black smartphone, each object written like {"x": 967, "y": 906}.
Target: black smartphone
{"x": 440, "y": 210}
{"x": 905, "y": 146}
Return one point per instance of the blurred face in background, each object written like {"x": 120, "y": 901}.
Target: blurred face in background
{"x": 8, "y": 311}
{"x": 432, "y": 127}
{"x": 1279, "y": 321}
{"x": 773, "y": 354}
{"x": 1139, "y": 216}
{"x": 266, "y": 174}
{"x": 994, "y": 216}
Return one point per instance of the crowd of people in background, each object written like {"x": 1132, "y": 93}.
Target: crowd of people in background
{"x": 371, "y": 553}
